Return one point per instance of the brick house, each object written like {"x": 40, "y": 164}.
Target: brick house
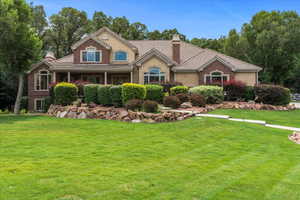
{"x": 106, "y": 58}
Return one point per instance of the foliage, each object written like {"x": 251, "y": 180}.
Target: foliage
{"x": 80, "y": 85}
{"x": 133, "y": 91}
{"x": 249, "y": 93}
{"x": 65, "y": 93}
{"x": 100, "y": 20}
{"x": 24, "y": 103}
{"x": 197, "y": 100}
{"x": 154, "y": 93}
{"x": 116, "y": 95}
{"x": 150, "y": 106}
{"x": 234, "y": 90}
{"x": 8, "y": 90}
{"x": 212, "y": 94}
{"x": 104, "y": 96}
{"x": 169, "y": 84}
{"x": 48, "y": 102}
{"x": 171, "y": 101}
{"x": 134, "y": 104}
{"x": 272, "y": 94}
{"x": 164, "y": 35}
{"x": 90, "y": 93}
{"x": 183, "y": 97}
{"x": 207, "y": 43}
{"x": 179, "y": 89}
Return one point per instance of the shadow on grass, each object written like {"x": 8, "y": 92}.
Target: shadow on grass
{"x": 10, "y": 118}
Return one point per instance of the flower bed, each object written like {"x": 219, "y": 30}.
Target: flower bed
{"x": 112, "y": 113}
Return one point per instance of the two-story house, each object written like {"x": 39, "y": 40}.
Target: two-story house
{"x": 104, "y": 57}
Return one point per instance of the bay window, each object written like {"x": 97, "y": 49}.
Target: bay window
{"x": 216, "y": 78}
{"x": 154, "y": 76}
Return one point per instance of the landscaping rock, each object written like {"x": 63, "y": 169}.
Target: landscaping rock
{"x": 295, "y": 137}
{"x": 186, "y": 105}
{"x": 136, "y": 121}
{"x": 82, "y": 115}
{"x": 63, "y": 114}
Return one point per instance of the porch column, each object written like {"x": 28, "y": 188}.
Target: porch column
{"x": 105, "y": 78}
{"x": 69, "y": 77}
{"x": 54, "y": 77}
{"x": 131, "y": 77}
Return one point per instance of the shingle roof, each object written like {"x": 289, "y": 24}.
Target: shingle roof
{"x": 153, "y": 52}
{"x": 92, "y": 68}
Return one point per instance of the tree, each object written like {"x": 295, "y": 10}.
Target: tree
{"x": 154, "y": 35}
{"x": 101, "y": 20}
{"x": 66, "y": 28}
{"x": 120, "y": 25}
{"x": 137, "y": 31}
{"x": 20, "y": 45}
{"x": 168, "y": 34}
{"x": 233, "y": 45}
{"x": 215, "y": 44}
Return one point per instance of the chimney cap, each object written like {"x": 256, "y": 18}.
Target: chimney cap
{"x": 176, "y": 37}
{"x": 50, "y": 56}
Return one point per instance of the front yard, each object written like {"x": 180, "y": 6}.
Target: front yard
{"x": 47, "y": 158}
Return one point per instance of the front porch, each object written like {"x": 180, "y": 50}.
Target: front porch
{"x": 111, "y": 78}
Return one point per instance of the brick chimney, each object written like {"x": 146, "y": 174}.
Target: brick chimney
{"x": 176, "y": 48}
{"x": 50, "y": 56}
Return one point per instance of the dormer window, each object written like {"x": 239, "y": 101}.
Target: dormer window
{"x": 120, "y": 56}
{"x": 91, "y": 54}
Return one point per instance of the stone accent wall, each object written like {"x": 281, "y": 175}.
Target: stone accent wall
{"x": 91, "y": 43}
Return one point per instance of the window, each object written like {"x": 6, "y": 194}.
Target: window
{"x": 154, "y": 76}
{"x": 121, "y": 56}
{"x": 39, "y": 105}
{"x": 42, "y": 80}
{"x": 216, "y": 78}
{"x": 91, "y": 55}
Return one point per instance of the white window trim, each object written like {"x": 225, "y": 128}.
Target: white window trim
{"x": 35, "y": 104}
{"x": 91, "y": 47}
{"x": 114, "y": 56}
{"x": 210, "y": 74}
{"x": 159, "y": 75}
{"x": 35, "y": 81}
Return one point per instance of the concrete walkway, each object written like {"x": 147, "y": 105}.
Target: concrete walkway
{"x": 297, "y": 105}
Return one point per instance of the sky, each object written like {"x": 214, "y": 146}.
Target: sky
{"x": 193, "y": 18}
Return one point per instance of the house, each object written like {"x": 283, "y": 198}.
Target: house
{"x": 104, "y": 57}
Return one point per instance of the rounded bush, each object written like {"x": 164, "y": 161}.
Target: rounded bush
{"x": 183, "y": 97}
{"x": 197, "y": 100}
{"x": 154, "y": 93}
{"x": 116, "y": 95}
{"x": 172, "y": 101}
{"x": 134, "y": 104}
{"x": 150, "y": 106}
{"x": 103, "y": 95}
{"x": 272, "y": 94}
{"x": 169, "y": 84}
{"x": 249, "y": 93}
{"x": 234, "y": 90}
{"x": 179, "y": 90}
{"x": 133, "y": 91}
{"x": 212, "y": 94}
{"x": 65, "y": 93}
{"x": 90, "y": 93}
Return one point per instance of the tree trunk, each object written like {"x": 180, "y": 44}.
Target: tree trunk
{"x": 19, "y": 95}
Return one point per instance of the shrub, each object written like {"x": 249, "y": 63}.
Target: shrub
{"x": 104, "y": 97}
{"x": 133, "y": 91}
{"x": 154, "y": 93}
{"x": 272, "y": 94}
{"x": 249, "y": 93}
{"x": 212, "y": 94}
{"x": 134, "y": 104}
{"x": 197, "y": 100}
{"x": 183, "y": 97}
{"x": 179, "y": 89}
{"x": 24, "y": 103}
{"x": 90, "y": 93}
{"x": 116, "y": 95}
{"x": 150, "y": 106}
{"x": 234, "y": 90}
{"x": 65, "y": 93}
{"x": 169, "y": 84}
{"x": 172, "y": 101}
{"x": 80, "y": 85}
{"x": 48, "y": 102}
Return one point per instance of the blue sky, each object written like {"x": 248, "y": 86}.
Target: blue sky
{"x": 194, "y": 18}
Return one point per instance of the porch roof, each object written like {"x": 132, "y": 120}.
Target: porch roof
{"x": 91, "y": 68}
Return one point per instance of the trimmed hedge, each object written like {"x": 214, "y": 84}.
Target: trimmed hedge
{"x": 90, "y": 93}
{"x": 134, "y": 104}
{"x": 197, "y": 100}
{"x": 103, "y": 95}
{"x": 154, "y": 93}
{"x": 234, "y": 90}
{"x": 169, "y": 84}
{"x": 179, "y": 90}
{"x": 212, "y": 94}
{"x": 116, "y": 95}
{"x": 172, "y": 101}
{"x": 272, "y": 94}
{"x": 150, "y": 106}
{"x": 133, "y": 91}
{"x": 65, "y": 93}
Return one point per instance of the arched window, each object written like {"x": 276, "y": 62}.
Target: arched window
{"x": 154, "y": 76}
{"x": 120, "y": 56}
{"x": 216, "y": 78}
{"x": 42, "y": 80}
{"x": 91, "y": 54}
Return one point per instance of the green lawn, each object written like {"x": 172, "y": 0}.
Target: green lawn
{"x": 200, "y": 158}
{"x": 285, "y": 118}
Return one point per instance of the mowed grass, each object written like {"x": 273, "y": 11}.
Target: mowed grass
{"x": 200, "y": 158}
{"x": 285, "y": 118}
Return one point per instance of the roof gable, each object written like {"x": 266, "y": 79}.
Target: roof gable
{"x": 87, "y": 38}
{"x": 150, "y": 54}
{"x": 217, "y": 58}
